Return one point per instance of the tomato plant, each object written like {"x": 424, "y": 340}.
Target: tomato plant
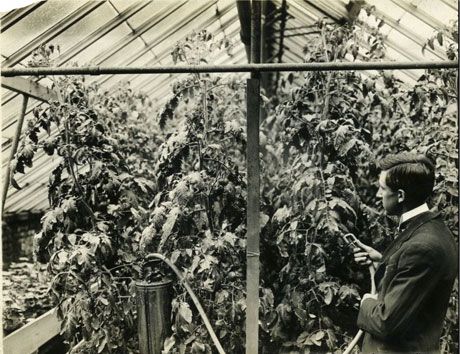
{"x": 198, "y": 218}
{"x": 99, "y": 195}
{"x": 320, "y": 182}
{"x": 132, "y": 180}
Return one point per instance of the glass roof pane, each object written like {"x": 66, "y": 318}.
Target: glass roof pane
{"x": 101, "y": 45}
{"x": 407, "y": 46}
{"x": 437, "y": 9}
{"x": 118, "y": 57}
{"x": 181, "y": 19}
{"x": 80, "y": 30}
{"x": 35, "y": 23}
{"x": 84, "y": 27}
{"x": 291, "y": 57}
{"x": 148, "y": 12}
{"x": 121, "y": 5}
{"x": 166, "y": 59}
{"x": 417, "y": 25}
{"x": 159, "y": 85}
{"x": 4, "y": 91}
{"x": 148, "y": 58}
{"x": 388, "y": 8}
{"x": 298, "y": 12}
{"x": 7, "y": 95}
{"x": 162, "y": 45}
{"x": 11, "y": 108}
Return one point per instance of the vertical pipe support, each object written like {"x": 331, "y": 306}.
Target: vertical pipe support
{"x": 14, "y": 148}
{"x": 253, "y": 175}
{"x": 253, "y": 208}
{"x": 256, "y": 16}
{"x": 244, "y": 13}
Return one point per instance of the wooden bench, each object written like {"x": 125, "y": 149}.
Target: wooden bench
{"x": 29, "y": 338}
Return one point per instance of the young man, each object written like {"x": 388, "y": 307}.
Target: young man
{"x": 416, "y": 273}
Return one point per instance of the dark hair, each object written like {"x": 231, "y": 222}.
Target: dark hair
{"x": 412, "y": 173}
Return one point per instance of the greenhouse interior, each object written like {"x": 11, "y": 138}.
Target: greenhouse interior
{"x": 213, "y": 176}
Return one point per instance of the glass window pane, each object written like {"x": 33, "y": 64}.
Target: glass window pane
{"x": 438, "y": 10}
{"x": 151, "y": 11}
{"x": 80, "y": 30}
{"x": 98, "y": 48}
{"x": 36, "y": 23}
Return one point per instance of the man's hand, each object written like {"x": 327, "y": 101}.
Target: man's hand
{"x": 369, "y": 296}
{"x": 365, "y": 255}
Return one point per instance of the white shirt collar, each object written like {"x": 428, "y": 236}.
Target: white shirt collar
{"x": 413, "y": 212}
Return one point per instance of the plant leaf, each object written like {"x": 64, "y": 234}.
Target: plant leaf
{"x": 185, "y": 312}
{"x": 170, "y": 222}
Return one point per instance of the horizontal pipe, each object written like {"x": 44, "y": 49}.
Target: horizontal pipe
{"x": 180, "y": 69}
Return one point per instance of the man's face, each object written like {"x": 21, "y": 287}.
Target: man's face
{"x": 389, "y": 196}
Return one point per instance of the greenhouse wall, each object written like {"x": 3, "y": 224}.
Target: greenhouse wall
{"x": 18, "y": 231}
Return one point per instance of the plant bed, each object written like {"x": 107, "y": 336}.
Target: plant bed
{"x": 25, "y": 294}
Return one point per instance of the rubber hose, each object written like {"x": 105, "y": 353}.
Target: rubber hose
{"x": 360, "y": 333}
{"x": 194, "y": 299}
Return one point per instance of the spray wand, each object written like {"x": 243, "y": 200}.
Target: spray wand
{"x": 352, "y": 241}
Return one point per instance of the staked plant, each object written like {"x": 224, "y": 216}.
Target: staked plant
{"x": 198, "y": 218}
{"x": 99, "y": 194}
{"x": 319, "y": 172}
{"x": 128, "y": 184}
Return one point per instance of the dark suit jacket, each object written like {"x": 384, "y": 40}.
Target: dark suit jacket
{"x": 414, "y": 282}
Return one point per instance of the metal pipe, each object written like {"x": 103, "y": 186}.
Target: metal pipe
{"x": 244, "y": 11}
{"x": 253, "y": 212}
{"x": 255, "y": 30}
{"x": 180, "y": 69}
{"x": 253, "y": 187}
{"x": 281, "y": 39}
{"x": 14, "y": 148}
{"x": 269, "y": 13}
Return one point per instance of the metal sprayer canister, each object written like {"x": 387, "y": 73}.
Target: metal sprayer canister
{"x": 154, "y": 315}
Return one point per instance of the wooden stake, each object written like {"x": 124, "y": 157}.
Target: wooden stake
{"x": 14, "y": 148}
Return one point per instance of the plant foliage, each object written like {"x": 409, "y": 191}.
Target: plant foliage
{"x": 99, "y": 195}
{"x": 128, "y": 184}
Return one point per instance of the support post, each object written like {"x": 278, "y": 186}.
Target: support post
{"x": 256, "y": 29}
{"x": 244, "y": 11}
{"x": 253, "y": 225}
{"x": 253, "y": 206}
{"x": 14, "y": 148}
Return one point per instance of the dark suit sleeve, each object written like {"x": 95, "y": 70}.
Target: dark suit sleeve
{"x": 413, "y": 281}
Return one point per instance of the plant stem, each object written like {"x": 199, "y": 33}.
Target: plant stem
{"x": 219, "y": 162}
{"x": 205, "y": 111}
{"x": 68, "y": 159}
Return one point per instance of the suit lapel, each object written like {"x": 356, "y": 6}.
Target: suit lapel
{"x": 412, "y": 225}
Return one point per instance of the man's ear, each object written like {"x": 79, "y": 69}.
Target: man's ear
{"x": 401, "y": 195}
